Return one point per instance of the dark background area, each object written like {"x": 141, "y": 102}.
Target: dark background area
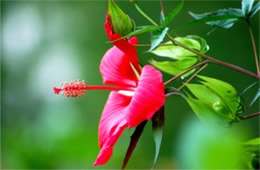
{"x": 45, "y": 43}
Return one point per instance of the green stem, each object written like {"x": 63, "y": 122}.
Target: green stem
{"x": 144, "y": 14}
{"x": 186, "y": 71}
{"x": 254, "y": 46}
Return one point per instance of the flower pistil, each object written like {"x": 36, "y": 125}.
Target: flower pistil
{"x": 78, "y": 88}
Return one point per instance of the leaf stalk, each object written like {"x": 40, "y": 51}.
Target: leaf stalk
{"x": 249, "y": 116}
{"x": 144, "y": 14}
{"x": 194, "y": 75}
{"x": 219, "y": 62}
{"x": 254, "y": 46}
{"x": 186, "y": 71}
{"x": 162, "y": 9}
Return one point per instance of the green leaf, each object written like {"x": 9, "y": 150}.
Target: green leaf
{"x": 214, "y": 100}
{"x": 247, "y": 6}
{"x": 253, "y": 145}
{"x": 141, "y": 30}
{"x": 172, "y": 14}
{"x": 205, "y": 112}
{"x": 158, "y": 36}
{"x": 255, "y": 141}
{"x": 203, "y": 20}
{"x": 134, "y": 139}
{"x": 255, "y": 9}
{"x": 176, "y": 67}
{"x": 236, "y": 14}
{"x": 206, "y": 95}
{"x": 253, "y": 148}
{"x": 225, "y": 91}
{"x": 255, "y": 98}
{"x": 209, "y": 146}
{"x": 176, "y": 52}
{"x": 203, "y": 43}
{"x": 172, "y": 51}
{"x": 185, "y": 59}
{"x": 190, "y": 41}
{"x": 157, "y": 124}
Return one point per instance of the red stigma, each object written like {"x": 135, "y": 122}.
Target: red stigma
{"x": 56, "y": 90}
{"x": 72, "y": 89}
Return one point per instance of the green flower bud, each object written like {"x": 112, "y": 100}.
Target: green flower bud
{"x": 121, "y": 23}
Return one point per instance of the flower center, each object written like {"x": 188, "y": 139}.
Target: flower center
{"x": 78, "y": 88}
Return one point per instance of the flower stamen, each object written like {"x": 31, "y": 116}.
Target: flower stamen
{"x": 72, "y": 89}
{"x": 135, "y": 71}
{"x": 78, "y": 88}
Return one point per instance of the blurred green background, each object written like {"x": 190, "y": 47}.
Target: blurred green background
{"x": 45, "y": 43}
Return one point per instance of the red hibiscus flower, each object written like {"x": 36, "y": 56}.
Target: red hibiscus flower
{"x": 131, "y": 101}
{"x": 119, "y": 66}
{"x": 126, "y": 108}
{"x": 136, "y": 95}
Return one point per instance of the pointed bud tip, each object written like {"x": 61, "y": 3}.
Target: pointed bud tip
{"x": 120, "y": 23}
{"x": 98, "y": 162}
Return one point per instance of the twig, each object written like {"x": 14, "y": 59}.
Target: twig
{"x": 197, "y": 72}
{"x": 249, "y": 116}
{"x": 254, "y": 47}
{"x": 228, "y": 65}
{"x": 186, "y": 71}
{"x": 149, "y": 45}
{"x": 162, "y": 9}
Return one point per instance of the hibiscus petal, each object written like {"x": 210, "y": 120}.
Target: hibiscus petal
{"x": 148, "y": 98}
{"x": 111, "y": 125}
{"x": 124, "y": 45}
{"x": 115, "y": 68}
